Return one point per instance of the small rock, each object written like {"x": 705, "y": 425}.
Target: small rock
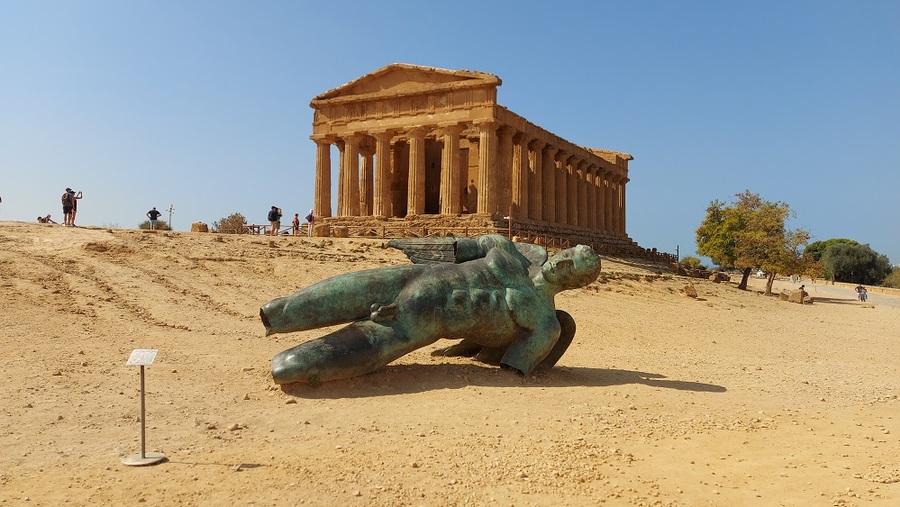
{"x": 291, "y": 401}
{"x": 234, "y": 427}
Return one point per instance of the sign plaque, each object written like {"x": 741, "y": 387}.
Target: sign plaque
{"x": 143, "y": 357}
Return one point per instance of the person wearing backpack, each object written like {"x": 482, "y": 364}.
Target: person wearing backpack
{"x": 310, "y": 221}
{"x": 67, "y": 200}
{"x": 275, "y": 219}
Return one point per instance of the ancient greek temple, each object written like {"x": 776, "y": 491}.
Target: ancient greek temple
{"x": 421, "y": 144}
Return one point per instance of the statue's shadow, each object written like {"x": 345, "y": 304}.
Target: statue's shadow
{"x": 418, "y": 378}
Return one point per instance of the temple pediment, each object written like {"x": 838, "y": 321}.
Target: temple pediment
{"x": 404, "y": 79}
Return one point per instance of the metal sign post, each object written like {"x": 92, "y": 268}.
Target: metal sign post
{"x": 143, "y": 357}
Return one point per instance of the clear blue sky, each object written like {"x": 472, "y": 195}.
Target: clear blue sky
{"x": 205, "y": 104}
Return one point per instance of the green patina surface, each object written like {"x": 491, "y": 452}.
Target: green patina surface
{"x": 495, "y": 296}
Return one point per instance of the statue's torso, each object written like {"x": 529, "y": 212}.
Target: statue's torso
{"x": 477, "y": 300}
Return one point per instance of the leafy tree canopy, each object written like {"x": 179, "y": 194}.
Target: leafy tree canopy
{"x": 750, "y": 233}
{"x": 855, "y": 263}
{"x": 893, "y": 279}
{"x": 232, "y": 224}
{"x": 690, "y": 262}
{"x": 815, "y": 249}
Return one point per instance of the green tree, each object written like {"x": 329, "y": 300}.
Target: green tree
{"x": 232, "y": 224}
{"x": 161, "y": 225}
{"x": 855, "y": 264}
{"x": 716, "y": 236}
{"x": 816, "y": 249}
{"x": 893, "y": 279}
{"x": 692, "y": 263}
{"x": 750, "y": 233}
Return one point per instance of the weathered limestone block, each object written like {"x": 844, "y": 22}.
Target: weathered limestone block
{"x": 690, "y": 290}
{"x": 784, "y": 295}
{"x": 340, "y": 232}
{"x": 321, "y": 230}
{"x": 797, "y": 296}
{"x": 199, "y": 227}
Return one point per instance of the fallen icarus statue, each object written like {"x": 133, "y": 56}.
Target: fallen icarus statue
{"x": 494, "y": 295}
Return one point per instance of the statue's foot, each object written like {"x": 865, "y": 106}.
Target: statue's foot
{"x": 265, "y": 321}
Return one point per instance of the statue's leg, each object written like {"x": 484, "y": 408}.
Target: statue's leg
{"x": 342, "y": 298}
{"x": 357, "y": 349}
{"x": 566, "y": 334}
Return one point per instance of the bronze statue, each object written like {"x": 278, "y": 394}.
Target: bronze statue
{"x": 496, "y": 296}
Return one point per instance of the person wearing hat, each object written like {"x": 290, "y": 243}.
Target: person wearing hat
{"x": 67, "y": 206}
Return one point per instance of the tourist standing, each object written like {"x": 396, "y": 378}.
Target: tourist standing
{"x": 275, "y": 219}
{"x": 75, "y": 197}
{"x": 153, "y": 215}
{"x": 67, "y": 207}
{"x": 295, "y": 224}
{"x": 310, "y": 221}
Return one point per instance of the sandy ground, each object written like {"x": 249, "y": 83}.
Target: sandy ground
{"x": 733, "y": 398}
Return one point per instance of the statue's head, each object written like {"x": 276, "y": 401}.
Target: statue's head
{"x": 572, "y": 268}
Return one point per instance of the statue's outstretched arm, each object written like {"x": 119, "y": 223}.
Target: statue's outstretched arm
{"x": 467, "y": 249}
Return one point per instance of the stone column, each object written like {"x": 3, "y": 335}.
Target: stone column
{"x": 622, "y": 207}
{"x": 342, "y": 175}
{"x": 381, "y": 206}
{"x": 451, "y": 189}
{"x": 591, "y": 206}
{"x": 580, "y": 179}
{"x": 535, "y": 178}
{"x": 610, "y": 203}
{"x": 562, "y": 188}
{"x": 415, "y": 200}
{"x": 549, "y": 180}
{"x": 572, "y": 191}
{"x": 322, "y": 197}
{"x": 520, "y": 176}
{"x": 348, "y": 196}
{"x": 487, "y": 167}
{"x": 503, "y": 178}
{"x": 605, "y": 192}
{"x": 366, "y": 178}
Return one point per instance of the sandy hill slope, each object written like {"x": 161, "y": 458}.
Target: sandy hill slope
{"x": 732, "y": 398}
